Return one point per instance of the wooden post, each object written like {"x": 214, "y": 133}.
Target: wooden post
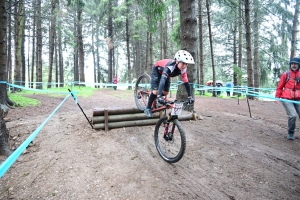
{"x": 106, "y": 119}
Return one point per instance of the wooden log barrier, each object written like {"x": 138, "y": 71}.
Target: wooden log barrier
{"x": 110, "y": 118}
{"x": 121, "y": 117}
{"x": 115, "y": 111}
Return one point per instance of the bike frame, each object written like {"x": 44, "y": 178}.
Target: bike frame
{"x": 170, "y": 117}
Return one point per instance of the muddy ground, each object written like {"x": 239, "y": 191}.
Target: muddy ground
{"x": 229, "y": 155}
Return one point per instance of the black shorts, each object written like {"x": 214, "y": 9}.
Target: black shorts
{"x": 155, "y": 79}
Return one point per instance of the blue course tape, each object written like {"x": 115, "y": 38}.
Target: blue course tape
{"x": 38, "y": 90}
{"x": 14, "y": 156}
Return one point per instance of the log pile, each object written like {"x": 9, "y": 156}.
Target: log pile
{"x": 110, "y": 118}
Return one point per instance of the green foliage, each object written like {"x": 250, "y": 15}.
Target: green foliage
{"x": 154, "y": 10}
{"x": 175, "y": 34}
{"x": 239, "y": 74}
{"x": 138, "y": 24}
{"x": 79, "y": 3}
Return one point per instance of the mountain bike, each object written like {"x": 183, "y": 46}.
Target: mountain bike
{"x": 169, "y": 134}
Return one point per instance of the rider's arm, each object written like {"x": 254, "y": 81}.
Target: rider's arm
{"x": 188, "y": 89}
{"x": 163, "y": 80}
{"x": 184, "y": 78}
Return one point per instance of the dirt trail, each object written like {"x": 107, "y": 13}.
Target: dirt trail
{"x": 228, "y": 156}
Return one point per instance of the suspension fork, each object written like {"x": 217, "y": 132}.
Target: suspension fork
{"x": 167, "y": 127}
{"x": 173, "y": 128}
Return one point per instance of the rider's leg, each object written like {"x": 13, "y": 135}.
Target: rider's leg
{"x": 155, "y": 78}
{"x": 153, "y": 95}
{"x": 167, "y": 88}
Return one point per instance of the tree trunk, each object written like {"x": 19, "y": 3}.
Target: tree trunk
{"x": 201, "y": 58}
{"x": 235, "y": 43}
{"x": 60, "y": 55}
{"x": 145, "y": 68}
{"x": 284, "y": 38}
{"x": 256, "y": 67}
{"x": 19, "y": 21}
{"x": 56, "y": 64}
{"x": 188, "y": 38}
{"x": 211, "y": 48}
{"x": 80, "y": 47}
{"x": 23, "y": 65}
{"x": 109, "y": 42}
{"x": 237, "y": 77}
{"x": 150, "y": 49}
{"x": 248, "y": 44}
{"x": 33, "y": 44}
{"x": 98, "y": 58}
{"x": 4, "y": 134}
{"x": 165, "y": 41}
{"x": 295, "y": 31}
{"x": 127, "y": 46}
{"x": 39, "y": 69}
{"x": 93, "y": 53}
{"x": 51, "y": 41}
{"x": 28, "y": 54}
{"x": 9, "y": 38}
{"x": 138, "y": 58}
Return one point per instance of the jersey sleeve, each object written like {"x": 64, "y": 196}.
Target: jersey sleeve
{"x": 184, "y": 77}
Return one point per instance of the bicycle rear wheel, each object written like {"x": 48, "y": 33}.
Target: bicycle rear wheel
{"x": 142, "y": 91}
{"x": 172, "y": 147}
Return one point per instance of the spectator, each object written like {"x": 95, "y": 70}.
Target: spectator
{"x": 228, "y": 88}
{"x": 115, "y": 81}
{"x": 289, "y": 88}
{"x": 219, "y": 89}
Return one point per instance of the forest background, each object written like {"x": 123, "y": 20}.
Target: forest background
{"x": 53, "y": 43}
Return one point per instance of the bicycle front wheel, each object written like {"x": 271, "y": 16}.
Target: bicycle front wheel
{"x": 142, "y": 91}
{"x": 170, "y": 146}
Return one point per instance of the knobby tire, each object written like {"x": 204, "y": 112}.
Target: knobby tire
{"x": 170, "y": 151}
{"x": 142, "y": 84}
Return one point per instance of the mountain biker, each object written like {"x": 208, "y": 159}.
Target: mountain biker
{"x": 162, "y": 70}
{"x": 289, "y": 88}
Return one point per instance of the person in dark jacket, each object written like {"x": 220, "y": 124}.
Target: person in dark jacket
{"x": 289, "y": 88}
{"x": 160, "y": 78}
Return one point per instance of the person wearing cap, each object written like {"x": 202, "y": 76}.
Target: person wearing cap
{"x": 162, "y": 70}
{"x": 289, "y": 88}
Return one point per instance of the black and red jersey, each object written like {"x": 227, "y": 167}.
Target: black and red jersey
{"x": 172, "y": 66}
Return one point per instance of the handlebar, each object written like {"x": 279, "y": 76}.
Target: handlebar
{"x": 169, "y": 103}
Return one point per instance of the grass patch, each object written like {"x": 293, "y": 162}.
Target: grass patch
{"x": 21, "y": 100}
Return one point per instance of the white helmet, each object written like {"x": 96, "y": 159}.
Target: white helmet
{"x": 184, "y": 56}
